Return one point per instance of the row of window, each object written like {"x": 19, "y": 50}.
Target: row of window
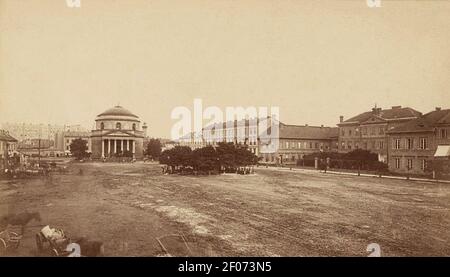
{"x": 380, "y": 130}
{"x": 118, "y": 126}
{"x": 409, "y": 143}
{"x": 302, "y": 145}
{"x": 408, "y": 164}
{"x": 349, "y": 145}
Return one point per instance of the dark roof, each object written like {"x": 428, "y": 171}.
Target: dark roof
{"x": 307, "y": 132}
{"x": 118, "y": 110}
{"x": 386, "y": 114}
{"x": 425, "y": 123}
{"x": 5, "y": 136}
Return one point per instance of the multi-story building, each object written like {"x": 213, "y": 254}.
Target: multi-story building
{"x": 64, "y": 139}
{"x": 27, "y": 131}
{"x": 368, "y": 130}
{"x": 292, "y": 141}
{"x": 296, "y": 141}
{"x": 8, "y": 146}
{"x": 413, "y": 144}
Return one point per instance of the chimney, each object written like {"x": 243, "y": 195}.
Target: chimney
{"x": 341, "y": 119}
{"x": 306, "y": 125}
{"x": 376, "y": 110}
{"x": 396, "y": 107}
{"x": 438, "y": 108}
{"x": 321, "y": 126}
{"x": 144, "y": 128}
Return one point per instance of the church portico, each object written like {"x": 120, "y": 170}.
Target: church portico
{"x": 117, "y": 146}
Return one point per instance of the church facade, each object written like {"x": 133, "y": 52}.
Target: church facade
{"x": 118, "y": 133}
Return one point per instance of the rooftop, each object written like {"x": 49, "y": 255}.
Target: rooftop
{"x": 425, "y": 123}
{"x": 118, "y": 111}
{"x": 307, "y": 132}
{"x": 396, "y": 112}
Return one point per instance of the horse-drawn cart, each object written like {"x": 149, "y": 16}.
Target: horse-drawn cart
{"x": 55, "y": 242}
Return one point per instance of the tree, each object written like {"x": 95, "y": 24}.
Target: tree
{"x": 153, "y": 148}
{"x": 204, "y": 159}
{"x": 226, "y": 154}
{"x": 177, "y": 156}
{"x": 78, "y": 148}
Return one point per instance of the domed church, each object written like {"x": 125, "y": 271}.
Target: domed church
{"x": 118, "y": 133}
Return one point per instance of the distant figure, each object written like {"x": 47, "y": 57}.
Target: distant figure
{"x": 21, "y": 219}
{"x": 80, "y": 172}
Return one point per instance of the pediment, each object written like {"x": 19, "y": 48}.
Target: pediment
{"x": 118, "y": 133}
{"x": 373, "y": 120}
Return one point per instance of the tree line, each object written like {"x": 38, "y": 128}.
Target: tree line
{"x": 225, "y": 157}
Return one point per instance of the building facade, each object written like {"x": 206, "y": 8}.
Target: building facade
{"x": 414, "y": 144}
{"x": 293, "y": 141}
{"x": 368, "y": 130}
{"x": 117, "y": 132}
{"x": 296, "y": 141}
{"x": 64, "y": 139}
{"x": 8, "y": 148}
{"x": 27, "y": 131}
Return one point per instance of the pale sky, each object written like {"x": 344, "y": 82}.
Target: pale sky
{"x": 316, "y": 60}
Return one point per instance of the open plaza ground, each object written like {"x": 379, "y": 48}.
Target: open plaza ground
{"x": 130, "y": 206}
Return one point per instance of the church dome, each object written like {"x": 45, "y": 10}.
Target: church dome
{"x": 117, "y": 111}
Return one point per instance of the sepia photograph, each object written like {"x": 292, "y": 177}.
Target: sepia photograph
{"x": 222, "y": 128}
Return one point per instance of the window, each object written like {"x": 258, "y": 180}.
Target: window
{"x": 397, "y": 163}
{"x": 311, "y": 145}
{"x": 381, "y": 145}
{"x": 118, "y": 126}
{"x": 423, "y": 143}
{"x": 397, "y": 144}
{"x": 102, "y": 126}
{"x": 443, "y": 133}
{"x": 349, "y": 146}
{"x": 134, "y": 126}
{"x": 349, "y": 132}
{"x": 316, "y": 145}
{"x": 299, "y": 145}
{"x": 424, "y": 164}
{"x": 409, "y": 165}
{"x": 381, "y": 131}
{"x": 372, "y": 131}
{"x": 287, "y": 144}
{"x": 374, "y": 145}
{"x": 67, "y": 141}
{"x": 409, "y": 143}
{"x": 343, "y": 145}
{"x": 343, "y": 132}
{"x": 364, "y": 130}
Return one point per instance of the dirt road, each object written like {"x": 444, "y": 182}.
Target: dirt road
{"x": 271, "y": 213}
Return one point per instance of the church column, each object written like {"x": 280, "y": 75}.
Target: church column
{"x": 108, "y": 142}
{"x": 134, "y": 147}
{"x": 128, "y": 145}
{"x": 115, "y": 149}
{"x": 123, "y": 145}
{"x": 103, "y": 148}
